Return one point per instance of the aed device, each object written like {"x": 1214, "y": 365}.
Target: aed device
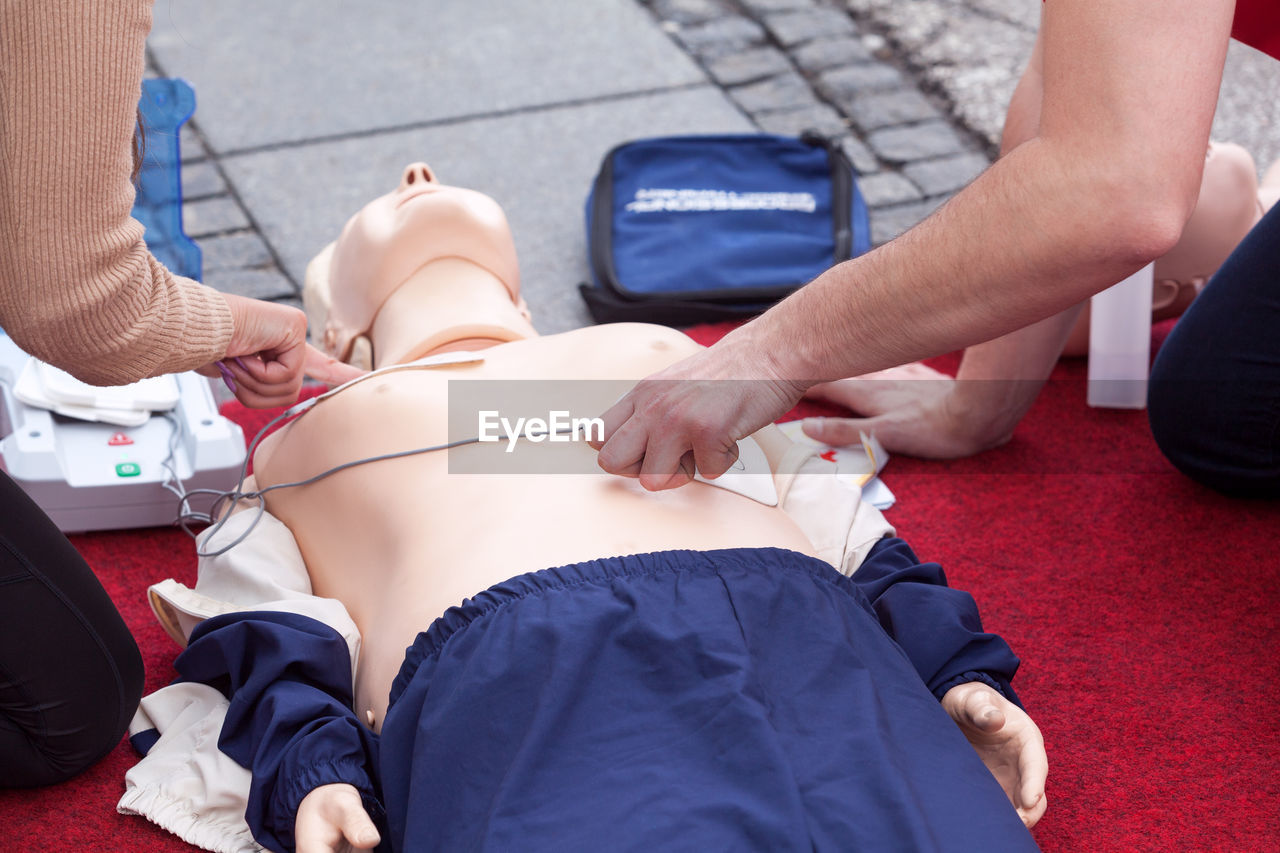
{"x": 110, "y": 458}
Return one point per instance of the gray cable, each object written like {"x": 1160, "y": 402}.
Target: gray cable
{"x": 186, "y": 515}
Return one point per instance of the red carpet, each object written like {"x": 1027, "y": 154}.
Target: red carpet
{"x": 1146, "y": 610}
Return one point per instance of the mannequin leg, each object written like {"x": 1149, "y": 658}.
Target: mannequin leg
{"x": 1228, "y": 207}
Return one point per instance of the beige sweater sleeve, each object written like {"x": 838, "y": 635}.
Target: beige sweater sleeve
{"x": 78, "y": 287}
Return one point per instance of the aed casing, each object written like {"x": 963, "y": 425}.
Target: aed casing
{"x": 97, "y": 476}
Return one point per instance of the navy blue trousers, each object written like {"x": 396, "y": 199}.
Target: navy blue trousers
{"x": 748, "y": 699}
{"x": 1214, "y": 396}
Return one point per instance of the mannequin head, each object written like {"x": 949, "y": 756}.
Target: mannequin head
{"x": 1227, "y": 208}
{"x": 448, "y": 248}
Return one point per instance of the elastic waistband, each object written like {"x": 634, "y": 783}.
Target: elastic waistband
{"x": 498, "y": 596}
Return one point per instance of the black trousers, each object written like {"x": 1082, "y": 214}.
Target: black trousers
{"x": 70, "y": 672}
{"x": 1214, "y": 396}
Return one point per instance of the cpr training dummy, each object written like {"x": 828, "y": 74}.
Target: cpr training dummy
{"x": 589, "y": 666}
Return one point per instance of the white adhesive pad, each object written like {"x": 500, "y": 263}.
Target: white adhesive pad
{"x": 31, "y": 390}
{"x": 157, "y": 394}
{"x": 750, "y": 476}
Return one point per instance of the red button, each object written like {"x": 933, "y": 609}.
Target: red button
{"x": 829, "y": 455}
{"x": 119, "y": 440}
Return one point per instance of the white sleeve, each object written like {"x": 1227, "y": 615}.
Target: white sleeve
{"x": 185, "y": 783}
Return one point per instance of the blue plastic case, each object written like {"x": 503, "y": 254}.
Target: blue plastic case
{"x": 687, "y": 229}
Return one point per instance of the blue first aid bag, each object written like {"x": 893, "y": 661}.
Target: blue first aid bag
{"x": 692, "y": 229}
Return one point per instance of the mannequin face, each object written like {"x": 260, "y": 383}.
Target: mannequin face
{"x": 420, "y": 221}
{"x": 401, "y": 233}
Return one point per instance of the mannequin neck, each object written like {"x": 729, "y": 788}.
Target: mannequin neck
{"x": 448, "y": 305}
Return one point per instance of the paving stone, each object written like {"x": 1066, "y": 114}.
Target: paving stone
{"x": 687, "y": 12}
{"x": 1025, "y": 15}
{"x": 867, "y": 7}
{"x": 721, "y": 38}
{"x": 973, "y": 52}
{"x": 947, "y": 174}
{"x": 1248, "y": 110}
{"x": 793, "y": 28}
{"x": 888, "y": 223}
{"x": 841, "y": 85}
{"x": 234, "y": 251}
{"x": 213, "y": 216}
{"x": 824, "y": 53}
{"x": 189, "y": 145}
{"x": 752, "y": 64}
{"x": 294, "y": 70}
{"x": 887, "y": 188}
{"x": 916, "y": 142}
{"x": 539, "y": 165}
{"x": 979, "y": 98}
{"x": 765, "y": 7}
{"x": 859, "y": 154}
{"x": 257, "y": 284}
{"x": 819, "y": 117}
{"x": 915, "y": 23}
{"x": 784, "y": 92}
{"x": 976, "y": 61}
{"x": 202, "y": 179}
{"x": 887, "y": 109}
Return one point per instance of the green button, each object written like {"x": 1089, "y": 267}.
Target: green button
{"x": 128, "y": 469}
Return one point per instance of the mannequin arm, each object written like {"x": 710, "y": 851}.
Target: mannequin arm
{"x": 290, "y": 719}
{"x": 1008, "y": 742}
{"x": 938, "y": 627}
{"x": 332, "y": 819}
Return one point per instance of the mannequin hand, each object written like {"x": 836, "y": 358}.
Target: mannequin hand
{"x": 332, "y": 819}
{"x": 1007, "y": 741}
{"x": 914, "y": 410}
{"x": 268, "y": 354}
{"x": 688, "y": 417}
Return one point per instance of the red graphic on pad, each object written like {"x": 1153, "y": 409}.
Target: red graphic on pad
{"x": 829, "y": 455}
{"x": 119, "y": 440}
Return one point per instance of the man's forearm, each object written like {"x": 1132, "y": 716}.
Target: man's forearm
{"x": 1004, "y": 253}
{"x": 1103, "y": 187}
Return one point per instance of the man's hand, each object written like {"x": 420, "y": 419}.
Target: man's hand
{"x": 268, "y": 354}
{"x": 1007, "y": 741}
{"x": 688, "y": 418}
{"x": 332, "y": 819}
{"x": 917, "y": 411}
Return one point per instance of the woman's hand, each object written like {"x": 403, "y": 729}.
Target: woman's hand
{"x": 1007, "y": 741}
{"x": 332, "y": 819}
{"x": 268, "y": 354}
{"x": 918, "y": 411}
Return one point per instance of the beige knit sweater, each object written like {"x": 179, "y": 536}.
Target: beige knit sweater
{"x": 78, "y": 287}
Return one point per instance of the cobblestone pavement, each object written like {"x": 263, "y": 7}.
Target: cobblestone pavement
{"x": 972, "y": 51}
{"x": 236, "y": 257}
{"x": 797, "y": 64}
{"x": 915, "y": 91}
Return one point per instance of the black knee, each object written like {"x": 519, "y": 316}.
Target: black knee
{"x": 1196, "y": 425}
{"x": 52, "y": 739}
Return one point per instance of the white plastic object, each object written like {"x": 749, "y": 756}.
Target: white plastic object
{"x": 750, "y": 476}
{"x": 1120, "y": 343}
{"x": 157, "y": 394}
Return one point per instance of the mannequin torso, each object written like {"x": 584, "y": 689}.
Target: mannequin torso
{"x": 400, "y": 541}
